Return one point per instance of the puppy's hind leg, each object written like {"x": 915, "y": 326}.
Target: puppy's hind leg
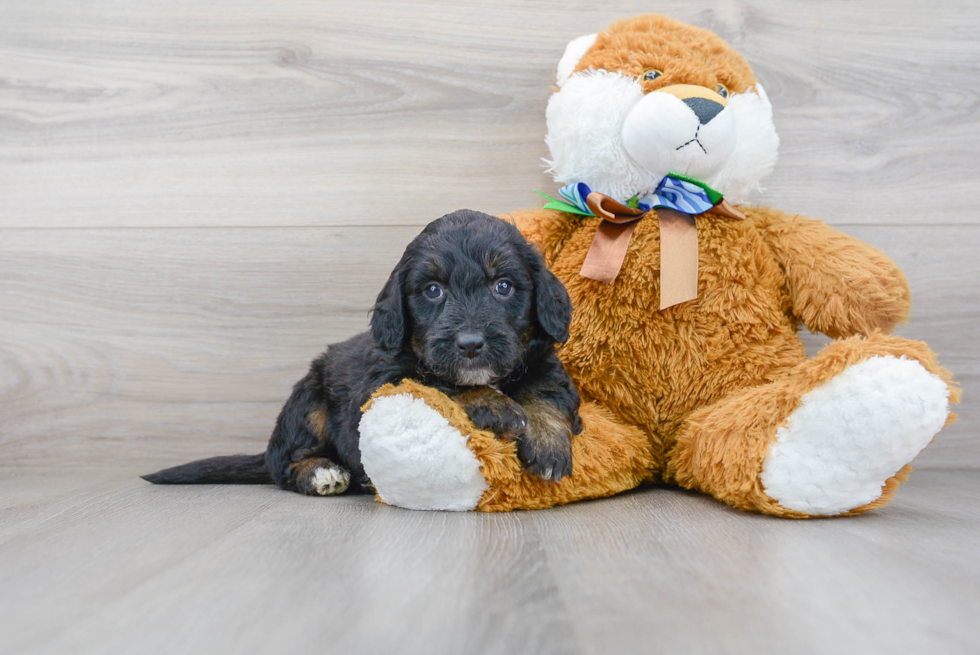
{"x": 320, "y": 476}
{"x": 297, "y": 455}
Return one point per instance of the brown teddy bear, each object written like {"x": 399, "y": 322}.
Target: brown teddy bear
{"x": 687, "y": 303}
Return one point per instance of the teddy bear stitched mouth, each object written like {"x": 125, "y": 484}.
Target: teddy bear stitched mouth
{"x": 705, "y": 110}
{"x": 694, "y": 140}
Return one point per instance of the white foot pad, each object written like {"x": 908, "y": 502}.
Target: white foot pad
{"x": 853, "y": 433}
{"x": 330, "y": 481}
{"x": 416, "y": 459}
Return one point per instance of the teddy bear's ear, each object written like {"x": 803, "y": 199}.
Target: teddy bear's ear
{"x": 573, "y": 53}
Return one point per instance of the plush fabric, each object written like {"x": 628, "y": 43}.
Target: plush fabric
{"x": 722, "y": 448}
{"x": 718, "y": 391}
{"x": 420, "y": 454}
{"x": 608, "y": 457}
{"x": 595, "y": 123}
{"x": 830, "y": 454}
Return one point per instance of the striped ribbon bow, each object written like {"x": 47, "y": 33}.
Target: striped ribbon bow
{"x": 677, "y": 199}
{"x": 675, "y": 192}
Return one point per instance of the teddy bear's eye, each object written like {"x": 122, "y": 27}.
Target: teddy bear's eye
{"x": 721, "y": 90}
{"x": 652, "y": 74}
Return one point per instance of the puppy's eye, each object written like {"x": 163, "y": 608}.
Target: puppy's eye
{"x": 652, "y": 74}
{"x": 503, "y": 288}
{"x": 433, "y": 291}
{"x": 721, "y": 90}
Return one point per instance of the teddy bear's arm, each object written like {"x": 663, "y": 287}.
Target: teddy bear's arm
{"x": 838, "y": 285}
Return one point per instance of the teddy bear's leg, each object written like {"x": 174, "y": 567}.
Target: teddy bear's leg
{"x": 834, "y": 437}
{"x": 421, "y": 451}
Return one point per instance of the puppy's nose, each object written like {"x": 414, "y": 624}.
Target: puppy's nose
{"x": 704, "y": 108}
{"x": 470, "y": 343}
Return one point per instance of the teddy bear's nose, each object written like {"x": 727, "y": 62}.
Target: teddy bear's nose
{"x": 704, "y": 108}
{"x": 705, "y": 103}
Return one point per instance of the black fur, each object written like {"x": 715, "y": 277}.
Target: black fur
{"x": 473, "y": 259}
{"x": 227, "y": 469}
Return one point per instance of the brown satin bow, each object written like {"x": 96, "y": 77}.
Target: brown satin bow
{"x": 678, "y": 245}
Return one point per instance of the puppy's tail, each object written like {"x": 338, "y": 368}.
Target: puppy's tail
{"x": 229, "y": 469}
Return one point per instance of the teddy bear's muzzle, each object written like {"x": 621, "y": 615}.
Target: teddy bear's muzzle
{"x": 681, "y": 128}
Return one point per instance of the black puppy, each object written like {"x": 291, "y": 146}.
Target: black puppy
{"x": 471, "y": 310}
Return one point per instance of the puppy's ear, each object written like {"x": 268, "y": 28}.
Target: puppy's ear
{"x": 551, "y": 302}
{"x": 388, "y": 316}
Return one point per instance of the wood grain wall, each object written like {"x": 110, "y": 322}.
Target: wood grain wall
{"x": 197, "y": 195}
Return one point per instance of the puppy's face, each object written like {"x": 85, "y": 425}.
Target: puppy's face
{"x": 469, "y": 298}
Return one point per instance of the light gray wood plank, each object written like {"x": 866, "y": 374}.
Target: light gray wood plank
{"x": 162, "y": 345}
{"x": 119, "y": 337}
{"x": 28, "y": 498}
{"x": 276, "y": 572}
{"x": 292, "y": 113}
{"x": 729, "y": 582}
{"x": 253, "y": 569}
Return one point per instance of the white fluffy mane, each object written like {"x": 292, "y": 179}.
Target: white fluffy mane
{"x": 585, "y": 123}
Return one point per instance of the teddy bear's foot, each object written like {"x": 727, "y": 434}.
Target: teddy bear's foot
{"x": 833, "y": 437}
{"x": 850, "y": 435}
{"x": 422, "y": 451}
{"x": 416, "y": 459}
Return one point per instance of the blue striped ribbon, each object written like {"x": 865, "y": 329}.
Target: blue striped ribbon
{"x": 679, "y": 195}
{"x": 672, "y": 193}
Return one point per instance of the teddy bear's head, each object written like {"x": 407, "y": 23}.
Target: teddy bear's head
{"x": 652, "y": 96}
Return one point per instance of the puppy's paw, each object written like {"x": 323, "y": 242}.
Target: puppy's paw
{"x": 491, "y": 410}
{"x": 321, "y": 477}
{"x": 330, "y": 481}
{"x": 547, "y": 460}
{"x": 362, "y": 484}
{"x": 546, "y": 447}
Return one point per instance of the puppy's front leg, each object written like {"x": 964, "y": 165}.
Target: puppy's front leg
{"x": 546, "y": 447}
{"x": 491, "y": 410}
{"x": 550, "y": 401}
{"x": 541, "y": 429}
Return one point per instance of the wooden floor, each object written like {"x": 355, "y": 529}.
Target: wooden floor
{"x": 100, "y": 562}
